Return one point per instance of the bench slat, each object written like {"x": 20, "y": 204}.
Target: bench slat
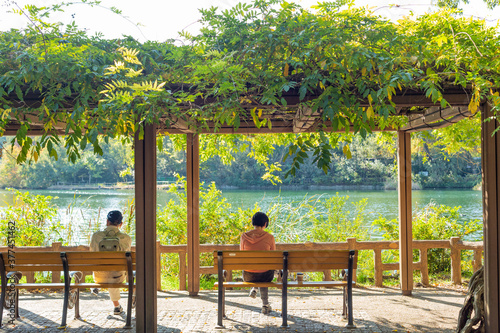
{"x": 251, "y": 254}
{"x": 33, "y": 256}
{"x": 270, "y": 260}
{"x": 314, "y": 254}
{"x": 75, "y": 256}
{"x": 34, "y": 268}
{"x": 249, "y": 284}
{"x": 89, "y": 267}
{"x": 314, "y": 267}
{"x": 100, "y": 261}
{"x": 255, "y": 267}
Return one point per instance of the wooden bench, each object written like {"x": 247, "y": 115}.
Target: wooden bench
{"x": 72, "y": 264}
{"x": 286, "y": 262}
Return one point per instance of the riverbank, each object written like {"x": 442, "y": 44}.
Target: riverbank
{"x": 166, "y": 186}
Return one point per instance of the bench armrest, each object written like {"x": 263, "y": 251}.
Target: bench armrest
{"x": 343, "y": 274}
{"x": 14, "y": 275}
{"x": 77, "y": 275}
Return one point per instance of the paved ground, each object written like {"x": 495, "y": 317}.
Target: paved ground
{"x": 380, "y": 310}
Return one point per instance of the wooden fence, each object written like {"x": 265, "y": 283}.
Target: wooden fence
{"x": 454, "y": 244}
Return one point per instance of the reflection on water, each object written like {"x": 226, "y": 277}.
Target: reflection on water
{"x": 87, "y": 209}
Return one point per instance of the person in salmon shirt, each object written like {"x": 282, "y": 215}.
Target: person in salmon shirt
{"x": 259, "y": 240}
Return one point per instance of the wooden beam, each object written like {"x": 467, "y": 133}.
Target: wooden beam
{"x": 145, "y": 201}
{"x": 490, "y": 159}
{"x": 436, "y": 117}
{"x": 193, "y": 213}
{"x": 405, "y": 208}
{"x": 304, "y": 119}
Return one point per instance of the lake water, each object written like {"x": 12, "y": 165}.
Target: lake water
{"x": 87, "y": 209}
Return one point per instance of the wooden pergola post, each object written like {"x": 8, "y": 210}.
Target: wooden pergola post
{"x": 145, "y": 208}
{"x": 405, "y": 207}
{"x": 193, "y": 216}
{"x": 490, "y": 149}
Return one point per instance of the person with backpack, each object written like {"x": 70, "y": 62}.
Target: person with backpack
{"x": 111, "y": 239}
{"x": 258, "y": 239}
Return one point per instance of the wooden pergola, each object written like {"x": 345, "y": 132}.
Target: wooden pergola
{"x": 422, "y": 114}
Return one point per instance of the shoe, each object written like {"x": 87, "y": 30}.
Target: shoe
{"x": 253, "y": 293}
{"x": 133, "y": 302}
{"x": 118, "y": 310}
{"x": 95, "y": 291}
{"x": 266, "y": 309}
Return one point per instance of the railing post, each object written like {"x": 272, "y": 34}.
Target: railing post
{"x": 56, "y": 275}
{"x": 424, "y": 267}
{"x": 456, "y": 270}
{"x": 158, "y": 266}
{"x": 351, "y": 245}
{"x": 379, "y": 273}
{"x": 182, "y": 270}
{"x": 478, "y": 259}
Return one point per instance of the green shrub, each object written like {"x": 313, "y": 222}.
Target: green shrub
{"x": 36, "y": 220}
{"x": 434, "y": 222}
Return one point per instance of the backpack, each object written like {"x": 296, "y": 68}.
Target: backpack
{"x": 109, "y": 242}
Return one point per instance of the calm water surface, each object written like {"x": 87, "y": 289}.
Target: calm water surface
{"x": 81, "y": 207}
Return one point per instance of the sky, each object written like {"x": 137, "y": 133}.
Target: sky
{"x": 162, "y": 20}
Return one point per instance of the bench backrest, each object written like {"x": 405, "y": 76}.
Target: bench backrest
{"x": 298, "y": 260}
{"x": 249, "y": 260}
{"x": 319, "y": 260}
{"x": 31, "y": 261}
{"x": 99, "y": 261}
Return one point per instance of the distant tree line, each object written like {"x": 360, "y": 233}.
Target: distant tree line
{"x": 372, "y": 162}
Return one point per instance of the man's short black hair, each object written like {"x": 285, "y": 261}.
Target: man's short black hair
{"x": 115, "y": 217}
{"x": 260, "y": 219}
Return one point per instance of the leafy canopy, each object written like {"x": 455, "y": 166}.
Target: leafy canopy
{"x": 241, "y": 67}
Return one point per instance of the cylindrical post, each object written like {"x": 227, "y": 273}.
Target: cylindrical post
{"x": 56, "y": 275}
{"x": 351, "y": 245}
{"x": 405, "y": 207}
{"x": 158, "y": 265}
{"x": 182, "y": 270}
{"x": 456, "y": 260}
{"x": 424, "y": 267}
{"x": 478, "y": 259}
{"x": 379, "y": 273}
{"x": 193, "y": 213}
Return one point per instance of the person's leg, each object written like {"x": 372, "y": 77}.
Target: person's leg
{"x": 264, "y": 295}
{"x": 250, "y": 277}
{"x": 114, "y": 293}
{"x": 264, "y": 291}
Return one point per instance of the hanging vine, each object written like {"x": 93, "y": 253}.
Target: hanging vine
{"x": 334, "y": 59}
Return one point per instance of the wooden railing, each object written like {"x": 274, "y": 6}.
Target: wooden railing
{"x": 454, "y": 244}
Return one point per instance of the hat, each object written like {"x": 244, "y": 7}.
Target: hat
{"x": 115, "y": 217}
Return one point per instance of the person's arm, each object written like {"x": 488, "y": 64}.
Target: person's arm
{"x": 273, "y": 243}
{"x": 242, "y": 243}
{"x": 94, "y": 244}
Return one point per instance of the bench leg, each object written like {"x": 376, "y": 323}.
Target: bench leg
{"x": 17, "y": 303}
{"x": 77, "y": 304}
{"x": 220, "y": 307}
{"x": 344, "y": 302}
{"x": 128, "y": 325}
{"x": 350, "y": 320}
{"x": 65, "y": 308}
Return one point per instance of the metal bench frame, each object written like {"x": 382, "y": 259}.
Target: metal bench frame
{"x": 70, "y": 289}
{"x": 347, "y": 286}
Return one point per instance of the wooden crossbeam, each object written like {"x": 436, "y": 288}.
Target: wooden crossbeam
{"x": 305, "y": 118}
{"x": 435, "y": 117}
